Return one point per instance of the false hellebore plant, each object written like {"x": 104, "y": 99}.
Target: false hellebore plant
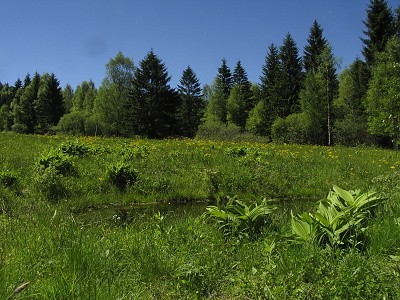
{"x": 242, "y": 217}
{"x": 339, "y": 220}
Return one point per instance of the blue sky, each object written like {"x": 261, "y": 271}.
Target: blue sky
{"x": 74, "y": 39}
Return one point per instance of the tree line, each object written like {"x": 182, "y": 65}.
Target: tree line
{"x": 300, "y": 98}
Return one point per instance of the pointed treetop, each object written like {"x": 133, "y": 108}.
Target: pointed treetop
{"x": 314, "y": 48}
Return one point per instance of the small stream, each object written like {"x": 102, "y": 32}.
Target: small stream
{"x": 127, "y": 213}
{"x": 124, "y": 214}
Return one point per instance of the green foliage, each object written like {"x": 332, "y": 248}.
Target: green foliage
{"x": 152, "y": 107}
{"x": 291, "y": 130}
{"x": 242, "y": 217}
{"x": 380, "y": 27}
{"x": 8, "y": 178}
{"x": 339, "y": 220}
{"x": 192, "y": 106}
{"x": 382, "y": 98}
{"x": 48, "y": 181}
{"x": 122, "y": 175}
{"x": 75, "y": 148}
{"x": 62, "y": 163}
{"x": 240, "y": 151}
{"x": 74, "y": 123}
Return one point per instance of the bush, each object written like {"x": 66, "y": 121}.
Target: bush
{"x": 122, "y": 175}
{"x": 218, "y": 131}
{"x": 73, "y": 123}
{"x": 19, "y": 128}
{"x": 352, "y": 132}
{"x": 291, "y": 130}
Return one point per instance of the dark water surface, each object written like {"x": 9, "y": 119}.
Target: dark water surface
{"x": 128, "y": 213}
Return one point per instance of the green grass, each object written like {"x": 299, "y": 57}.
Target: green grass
{"x": 44, "y": 241}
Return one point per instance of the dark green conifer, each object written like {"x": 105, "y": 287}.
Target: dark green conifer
{"x": 292, "y": 75}
{"x": 225, "y": 77}
{"x": 316, "y": 45}
{"x": 191, "y": 108}
{"x": 151, "y": 109}
{"x": 380, "y": 26}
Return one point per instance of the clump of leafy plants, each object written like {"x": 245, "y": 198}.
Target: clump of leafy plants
{"x": 8, "y": 178}
{"x": 240, "y": 151}
{"x": 122, "y": 175}
{"x": 60, "y": 161}
{"x": 242, "y": 217}
{"x": 76, "y": 148}
{"x": 340, "y": 220}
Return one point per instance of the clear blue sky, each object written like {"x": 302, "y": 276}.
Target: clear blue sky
{"x": 74, "y": 39}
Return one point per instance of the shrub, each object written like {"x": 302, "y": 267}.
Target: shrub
{"x": 122, "y": 175}
{"x": 19, "y": 128}
{"x": 73, "y": 123}
{"x": 291, "y": 130}
{"x": 352, "y": 131}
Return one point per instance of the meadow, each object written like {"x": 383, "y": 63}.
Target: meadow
{"x": 47, "y": 183}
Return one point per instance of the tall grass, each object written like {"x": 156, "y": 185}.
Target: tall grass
{"x": 165, "y": 256}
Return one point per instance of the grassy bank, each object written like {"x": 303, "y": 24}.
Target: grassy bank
{"x": 47, "y": 181}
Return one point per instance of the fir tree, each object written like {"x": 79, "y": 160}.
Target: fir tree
{"x": 240, "y": 78}
{"x": 380, "y": 28}
{"x": 271, "y": 88}
{"x": 316, "y": 45}
{"x": 225, "y": 77}
{"x": 292, "y": 75}
{"x": 49, "y": 106}
{"x": 152, "y": 106}
{"x": 191, "y": 108}
{"x": 216, "y": 110}
{"x": 27, "y": 104}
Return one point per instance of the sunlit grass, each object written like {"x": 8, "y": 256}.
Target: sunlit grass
{"x": 165, "y": 256}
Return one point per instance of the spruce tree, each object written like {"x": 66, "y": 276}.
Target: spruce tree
{"x": 49, "y": 106}
{"x": 271, "y": 87}
{"x": 292, "y": 75}
{"x": 240, "y": 78}
{"x": 27, "y": 80}
{"x": 225, "y": 78}
{"x": 27, "y": 104}
{"x": 314, "y": 48}
{"x": 380, "y": 28}
{"x": 191, "y": 108}
{"x": 397, "y": 20}
{"x": 152, "y": 106}
{"x": 216, "y": 110}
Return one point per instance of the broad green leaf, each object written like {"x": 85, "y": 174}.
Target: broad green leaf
{"x": 345, "y": 195}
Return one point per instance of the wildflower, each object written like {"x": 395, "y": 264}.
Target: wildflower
{"x": 101, "y": 178}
